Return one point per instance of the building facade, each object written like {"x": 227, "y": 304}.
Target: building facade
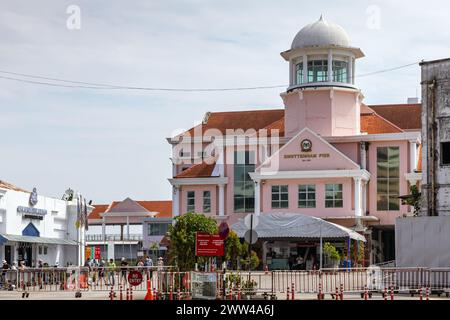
{"x": 121, "y": 229}
{"x": 37, "y": 228}
{"x": 326, "y": 154}
{"x": 422, "y": 241}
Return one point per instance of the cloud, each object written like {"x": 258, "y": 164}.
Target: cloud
{"x": 111, "y": 144}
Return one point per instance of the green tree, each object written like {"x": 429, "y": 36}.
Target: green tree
{"x": 182, "y": 239}
{"x": 413, "y": 199}
{"x": 234, "y": 249}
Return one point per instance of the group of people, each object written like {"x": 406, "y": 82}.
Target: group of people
{"x": 102, "y": 272}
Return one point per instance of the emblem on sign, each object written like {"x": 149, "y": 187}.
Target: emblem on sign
{"x": 306, "y": 145}
{"x": 33, "y": 197}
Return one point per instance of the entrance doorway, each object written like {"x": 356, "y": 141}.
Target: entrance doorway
{"x": 8, "y": 254}
{"x": 26, "y": 254}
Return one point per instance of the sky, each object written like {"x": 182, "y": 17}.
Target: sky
{"x": 111, "y": 144}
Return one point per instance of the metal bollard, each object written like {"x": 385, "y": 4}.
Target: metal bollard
{"x": 170, "y": 293}
{"x": 230, "y": 293}
{"x": 427, "y": 292}
{"x": 120, "y": 293}
{"x": 287, "y": 293}
{"x": 238, "y": 292}
{"x": 385, "y": 294}
{"x": 392, "y": 293}
{"x": 131, "y": 293}
{"x": 178, "y": 294}
{"x": 319, "y": 295}
{"x": 366, "y": 294}
{"x": 128, "y": 294}
{"x": 420, "y": 294}
{"x": 342, "y": 292}
{"x": 292, "y": 292}
{"x": 111, "y": 294}
{"x": 155, "y": 294}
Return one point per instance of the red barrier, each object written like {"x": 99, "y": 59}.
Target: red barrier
{"x": 293, "y": 292}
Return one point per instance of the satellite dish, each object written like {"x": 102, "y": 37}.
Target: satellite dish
{"x": 251, "y": 234}
{"x": 248, "y": 221}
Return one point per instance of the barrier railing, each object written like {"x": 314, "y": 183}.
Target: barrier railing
{"x": 168, "y": 283}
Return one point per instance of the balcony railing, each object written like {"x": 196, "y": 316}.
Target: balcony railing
{"x": 114, "y": 237}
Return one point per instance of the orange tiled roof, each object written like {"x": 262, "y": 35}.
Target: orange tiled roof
{"x": 163, "y": 207}
{"x": 373, "y": 123}
{"x": 9, "y": 186}
{"x": 98, "y": 208}
{"x": 200, "y": 170}
{"x": 255, "y": 119}
{"x": 405, "y": 116}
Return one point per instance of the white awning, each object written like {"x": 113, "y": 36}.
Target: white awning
{"x": 42, "y": 240}
{"x": 294, "y": 225}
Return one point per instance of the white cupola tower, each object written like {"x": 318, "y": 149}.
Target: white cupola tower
{"x": 322, "y": 74}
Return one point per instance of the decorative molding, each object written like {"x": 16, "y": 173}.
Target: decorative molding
{"x": 357, "y": 173}
{"x": 198, "y": 181}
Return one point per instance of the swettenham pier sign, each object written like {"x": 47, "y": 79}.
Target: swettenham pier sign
{"x": 32, "y": 213}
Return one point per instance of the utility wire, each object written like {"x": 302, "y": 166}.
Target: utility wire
{"x": 104, "y": 86}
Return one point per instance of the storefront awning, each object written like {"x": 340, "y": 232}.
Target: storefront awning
{"x": 41, "y": 240}
{"x": 294, "y": 225}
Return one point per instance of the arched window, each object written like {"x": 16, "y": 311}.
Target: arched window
{"x": 317, "y": 71}
{"x": 299, "y": 73}
{"x": 340, "y": 71}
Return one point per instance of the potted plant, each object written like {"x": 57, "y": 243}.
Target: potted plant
{"x": 332, "y": 255}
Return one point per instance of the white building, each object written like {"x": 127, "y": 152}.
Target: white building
{"x": 35, "y": 227}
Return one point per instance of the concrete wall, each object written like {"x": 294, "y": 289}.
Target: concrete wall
{"x": 422, "y": 242}
{"x": 440, "y": 71}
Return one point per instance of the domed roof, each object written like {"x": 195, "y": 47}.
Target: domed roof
{"x": 321, "y": 33}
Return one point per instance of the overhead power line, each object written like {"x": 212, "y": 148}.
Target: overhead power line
{"x": 65, "y": 83}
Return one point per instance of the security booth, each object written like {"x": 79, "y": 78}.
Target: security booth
{"x": 296, "y": 241}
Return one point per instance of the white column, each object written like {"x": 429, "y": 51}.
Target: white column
{"x": 358, "y": 211}
{"x": 413, "y": 155}
{"x": 364, "y": 197}
{"x": 175, "y": 201}
{"x": 221, "y": 161}
{"x": 330, "y": 65}
{"x": 363, "y": 155}
{"x": 305, "y": 68}
{"x": 350, "y": 70}
{"x": 257, "y": 198}
{"x": 103, "y": 228}
{"x": 128, "y": 227}
{"x": 221, "y": 200}
{"x": 292, "y": 75}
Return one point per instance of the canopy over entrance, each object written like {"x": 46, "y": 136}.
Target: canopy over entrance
{"x": 294, "y": 225}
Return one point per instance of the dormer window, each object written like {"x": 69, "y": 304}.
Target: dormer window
{"x": 317, "y": 71}
{"x": 340, "y": 71}
{"x": 299, "y": 73}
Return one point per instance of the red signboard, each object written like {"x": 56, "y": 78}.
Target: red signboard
{"x": 97, "y": 253}
{"x": 209, "y": 245}
{"x": 134, "y": 278}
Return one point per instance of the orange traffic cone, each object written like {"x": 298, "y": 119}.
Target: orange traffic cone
{"x": 149, "y": 295}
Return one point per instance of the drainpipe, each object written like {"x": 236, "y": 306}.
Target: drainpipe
{"x": 432, "y": 150}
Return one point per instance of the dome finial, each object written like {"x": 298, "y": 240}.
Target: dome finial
{"x": 321, "y": 17}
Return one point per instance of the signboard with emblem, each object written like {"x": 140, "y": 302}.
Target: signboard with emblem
{"x": 33, "y": 198}
{"x": 306, "y": 145}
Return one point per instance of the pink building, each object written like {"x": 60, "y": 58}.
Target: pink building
{"x": 326, "y": 154}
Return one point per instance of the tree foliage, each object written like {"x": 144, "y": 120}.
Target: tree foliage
{"x": 182, "y": 239}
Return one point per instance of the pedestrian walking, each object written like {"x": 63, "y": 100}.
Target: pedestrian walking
{"x": 124, "y": 269}
{"x": 111, "y": 272}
